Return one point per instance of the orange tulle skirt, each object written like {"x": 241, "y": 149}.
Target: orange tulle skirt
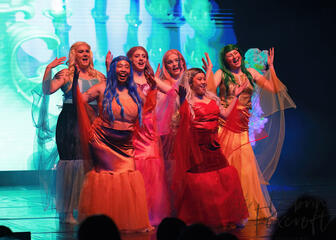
{"x": 119, "y": 195}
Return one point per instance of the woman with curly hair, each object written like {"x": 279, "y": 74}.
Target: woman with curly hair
{"x": 173, "y": 67}
{"x": 69, "y": 169}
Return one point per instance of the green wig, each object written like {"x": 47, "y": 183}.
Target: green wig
{"x": 227, "y": 76}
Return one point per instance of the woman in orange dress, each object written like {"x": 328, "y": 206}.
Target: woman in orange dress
{"x": 234, "y": 135}
{"x": 113, "y": 186}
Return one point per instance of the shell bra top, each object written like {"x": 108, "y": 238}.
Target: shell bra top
{"x": 83, "y": 85}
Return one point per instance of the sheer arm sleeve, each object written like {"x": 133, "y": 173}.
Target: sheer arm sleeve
{"x": 272, "y": 92}
{"x": 150, "y": 101}
{"x": 84, "y": 110}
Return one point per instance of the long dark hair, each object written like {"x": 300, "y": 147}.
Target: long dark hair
{"x": 111, "y": 89}
{"x": 227, "y": 76}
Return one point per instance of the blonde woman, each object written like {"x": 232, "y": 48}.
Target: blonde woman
{"x": 69, "y": 170}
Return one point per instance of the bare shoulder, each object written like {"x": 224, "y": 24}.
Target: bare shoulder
{"x": 101, "y": 77}
{"x": 218, "y": 74}
{"x": 63, "y": 74}
{"x": 219, "y": 71}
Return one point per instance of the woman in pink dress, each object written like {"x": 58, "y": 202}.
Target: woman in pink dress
{"x": 173, "y": 67}
{"x": 147, "y": 155}
{"x": 167, "y": 78}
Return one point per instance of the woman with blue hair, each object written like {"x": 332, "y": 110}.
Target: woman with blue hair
{"x": 112, "y": 186}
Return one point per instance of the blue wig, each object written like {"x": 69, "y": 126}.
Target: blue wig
{"x": 111, "y": 89}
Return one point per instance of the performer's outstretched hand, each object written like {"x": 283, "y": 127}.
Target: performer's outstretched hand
{"x": 238, "y": 90}
{"x": 56, "y": 62}
{"x": 270, "y": 58}
{"x": 157, "y": 73}
{"x": 108, "y": 60}
{"x": 166, "y": 75}
{"x": 162, "y": 86}
{"x": 207, "y": 65}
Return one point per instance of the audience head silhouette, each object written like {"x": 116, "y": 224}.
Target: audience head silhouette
{"x": 98, "y": 227}
{"x": 5, "y": 231}
{"x": 197, "y": 231}
{"x": 170, "y": 228}
{"x": 225, "y": 236}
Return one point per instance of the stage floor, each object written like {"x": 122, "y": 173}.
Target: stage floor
{"x": 21, "y": 209}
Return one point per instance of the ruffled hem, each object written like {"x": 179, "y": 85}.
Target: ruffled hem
{"x": 213, "y": 198}
{"x": 120, "y": 196}
{"x": 69, "y": 180}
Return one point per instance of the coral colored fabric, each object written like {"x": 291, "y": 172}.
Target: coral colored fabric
{"x": 149, "y": 161}
{"x": 119, "y": 195}
{"x": 113, "y": 186}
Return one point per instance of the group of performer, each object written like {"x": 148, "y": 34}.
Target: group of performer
{"x": 140, "y": 146}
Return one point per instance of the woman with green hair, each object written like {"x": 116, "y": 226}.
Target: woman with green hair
{"x": 234, "y": 131}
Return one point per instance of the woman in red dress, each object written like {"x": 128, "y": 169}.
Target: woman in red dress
{"x": 206, "y": 188}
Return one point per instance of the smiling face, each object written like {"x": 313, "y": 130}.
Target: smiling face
{"x": 173, "y": 65}
{"x": 233, "y": 59}
{"x": 123, "y": 71}
{"x": 139, "y": 60}
{"x": 199, "y": 84}
{"x": 83, "y": 56}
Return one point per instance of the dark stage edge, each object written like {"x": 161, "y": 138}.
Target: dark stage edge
{"x": 21, "y": 209}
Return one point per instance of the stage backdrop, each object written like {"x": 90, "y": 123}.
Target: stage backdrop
{"x": 34, "y": 32}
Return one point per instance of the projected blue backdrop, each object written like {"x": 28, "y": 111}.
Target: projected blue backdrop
{"x": 33, "y": 32}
